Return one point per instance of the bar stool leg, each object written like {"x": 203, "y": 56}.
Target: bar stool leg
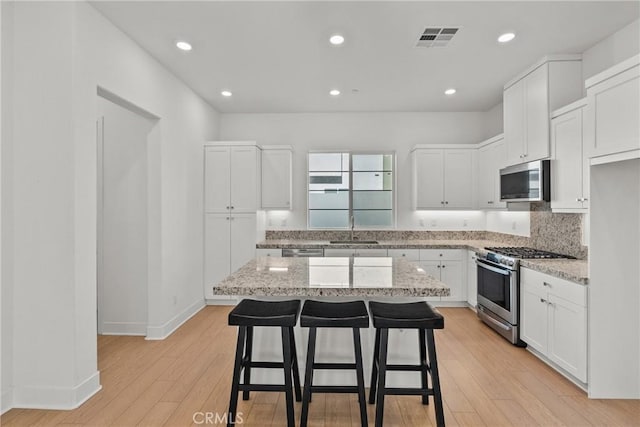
{"x": 374, "y": 369}
{"x": 362, "y": 399}
{"x": 435, "y": 378}
{"x": 286, "y": 351}
{"x": 294, "y": 365}
{"x": 382, "y": 374}
{"x": 423, "y": 363}
{"x": 308, "y": 376}
{"x": 235, "y": 382}
{"x": 246, "y": 361}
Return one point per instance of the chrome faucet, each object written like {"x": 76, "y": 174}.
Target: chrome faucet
{"x": 353, "y": 224}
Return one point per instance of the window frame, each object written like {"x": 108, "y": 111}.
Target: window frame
{"x": 351, "y": 153}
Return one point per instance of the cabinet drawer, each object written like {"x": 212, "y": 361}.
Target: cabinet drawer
{"x": 269, "y": 252}
{"x": 572, "y": 292}
{"x": 441, "y": 254}
{"x": 370, "y": 252}
{"x": 408, "y": 254}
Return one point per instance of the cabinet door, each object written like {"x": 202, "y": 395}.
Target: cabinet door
{"x": 451, "y": 275}
{"x": 537, "y": 114}
{"x": 514, "y": 126}
{"x": 217, "y": 184}
{"x": 458, "y": 179}
{"x": 472, "y": 280}
{"x": 244, "y": 179}
{"x": 499, "y": 156}
{"x": 243, "y": 239}
{"x": 432, "y": 268}
{"x": 429, "y": 179}
{"x": 486, "y": 179}
{"x": 276, "y": 179}
{"x": 567, "y": 179}
{"x": 339, "y": 252}
{"x": 268, "y": 252}
{"x": 533, "y": 317}
{"x": 371, "y": 252}
{"x": 568, "y": 336}
{"x": 408, "y": 254}
{"x": 217, "y": 257}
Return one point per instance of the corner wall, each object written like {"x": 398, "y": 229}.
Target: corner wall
{"x": 64, "y": 51}
{"x": 619, "y": 46}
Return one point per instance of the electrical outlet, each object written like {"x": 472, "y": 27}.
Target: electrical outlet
{"x": 513, "y": 225}
{"x": 175, "y": 300}
{"x": 283, "y": 222}
{"x": 434, "y": 223}
{"x": 422, "y": 223}
{"x": 465, "y": 223}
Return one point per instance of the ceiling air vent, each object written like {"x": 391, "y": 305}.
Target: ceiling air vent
{"x": 436, "y": 36}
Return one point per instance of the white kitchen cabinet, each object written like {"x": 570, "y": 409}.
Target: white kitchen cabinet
{"x": 554, "y": 320}
{"x": 443, "y": 178}
{"x": 407, "y": 254}
{"x": 447, "y": 266}
{"x": 570, "y": 176}
{"x": 261, "y": 252}
{"x": 231, "y": 172}
{"x": 491, "y": 158}
{"x": 612, "y": 115}
{"x": 528, "y": 101}
{"x": 472, "y": 279}
{"x": 230, "y": 241}
{"x": 276, "y": 176}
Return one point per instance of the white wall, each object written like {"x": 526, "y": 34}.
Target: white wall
{"x": 122, "y": 219}
{"x": 360, "y": 131}
{"x": 619, "y": 46}
{"x": 494, "y": 121}
{"x": 509, "y": 222}
{"x": 6, "y": 360}
{"x": 63, "y": 52}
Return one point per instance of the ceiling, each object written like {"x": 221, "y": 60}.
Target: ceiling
{"x": 275, "y": 56}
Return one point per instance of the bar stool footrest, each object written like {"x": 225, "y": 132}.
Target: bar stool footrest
{"x": 334, "y": 366}
{"x": 333, "y": 389}
{"x": 264, "y": 365}
{"x": 408, "y": 391}
{"x": 262, "y": 387}
{"x": 416, "y": 368}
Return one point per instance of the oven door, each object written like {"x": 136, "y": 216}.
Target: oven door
{"x": 497, "y": 290}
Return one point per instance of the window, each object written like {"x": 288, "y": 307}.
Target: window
{"x": 345, "y": 185}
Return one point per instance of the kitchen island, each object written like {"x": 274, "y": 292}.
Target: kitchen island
{"x": 334, "y": 279}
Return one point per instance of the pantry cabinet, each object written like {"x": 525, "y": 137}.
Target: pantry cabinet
{"x": 554, "y": 320}
{"x": 528, "y": 101}
{"x": 276, "y": 177}
{"x": 443, "y": 178}
{"x": 491, "y": 158}
{"x": 612, "y": 115}
{"x": 570, "y": 177}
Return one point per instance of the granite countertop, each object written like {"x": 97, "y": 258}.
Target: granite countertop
{"x": 574, "y": 270}
{"x": 331, "y": 276}
{"x": 569, "y": 269}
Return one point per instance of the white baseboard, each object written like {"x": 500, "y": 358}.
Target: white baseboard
{"x": 124, "y": 328}
{"x": 58, "y": 398}
{"x": 6, "y": 401}
{"x": 163, "y": 331}
{"x": 227, "y": 301}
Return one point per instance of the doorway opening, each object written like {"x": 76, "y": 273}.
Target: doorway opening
{"x": 127, "y": 138}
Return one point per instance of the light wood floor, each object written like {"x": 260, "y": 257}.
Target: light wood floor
{"x": 485, "y": 382}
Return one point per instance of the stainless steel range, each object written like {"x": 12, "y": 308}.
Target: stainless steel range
{"x": 499, "y": 287}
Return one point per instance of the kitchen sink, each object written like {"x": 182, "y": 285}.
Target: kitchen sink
{"x": 354, "y": 242}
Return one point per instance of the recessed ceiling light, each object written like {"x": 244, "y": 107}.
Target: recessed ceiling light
{"x": 336, "y": 39}
{"x": 334, "y": 92}
{"x": 450, "y": 91}
{"x": 506, "y": 37}
{"x": 226, "y": 93}
{"x": 182, "y": 45}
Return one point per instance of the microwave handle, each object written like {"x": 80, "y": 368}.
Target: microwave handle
{"x": 494, "y": 269}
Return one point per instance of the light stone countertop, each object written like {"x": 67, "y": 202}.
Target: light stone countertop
{"x": 568, "y": 269}
{"x": 331, "y": 276}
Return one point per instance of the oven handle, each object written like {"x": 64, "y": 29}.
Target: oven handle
{"x": 495, "y": 322}
{"x": 494, "y": 269}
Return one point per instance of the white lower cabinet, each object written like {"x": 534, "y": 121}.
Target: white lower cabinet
{"x": 230, "y": 242}
{"x": 472, "y": 279}
{"x": 447, "y": 266}
{"x": 268, "y": 252}
{"x": 339, "y": 252}
{"x": 554, "y": 320}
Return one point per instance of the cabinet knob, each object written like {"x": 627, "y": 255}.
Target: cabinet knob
{"x": 524, "y": 155}
{"x": 584, "y": 199}
{"x": 227, "y": 218}
{"x": 227, "y": 207}
{"x": 546, "y": 284}
{"x": 438, "y": 266}
{"x": 231, "y": 207}
{"x": 446, "y": 203}
{"x": 542, "y": 300}
{"x": 443, "y": 266}
{"x": 442, "y": 203}
{"x": 490, "y": 202}
{"x": 578, "y": 199}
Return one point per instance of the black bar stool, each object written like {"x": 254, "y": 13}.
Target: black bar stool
{"x": 246, "y": 315}
{"x": 317, "y": 314}
{"x": 415, "y": 315}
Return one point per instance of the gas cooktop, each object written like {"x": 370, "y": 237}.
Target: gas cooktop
{"x": 527, "y": 253}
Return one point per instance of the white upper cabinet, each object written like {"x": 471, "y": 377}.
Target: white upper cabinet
{"x": 443, "y": 178}
{"x": 570, "y": 168}
{"x": 612, "y": 116}
{"x": 491, "y": 158}
{"x": 276, "y": 177}
{"x": 231, "y": 177}
{"x": 528, "y": 101}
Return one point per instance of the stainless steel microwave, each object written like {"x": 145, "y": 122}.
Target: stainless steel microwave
{"x": 527, "y": 182}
